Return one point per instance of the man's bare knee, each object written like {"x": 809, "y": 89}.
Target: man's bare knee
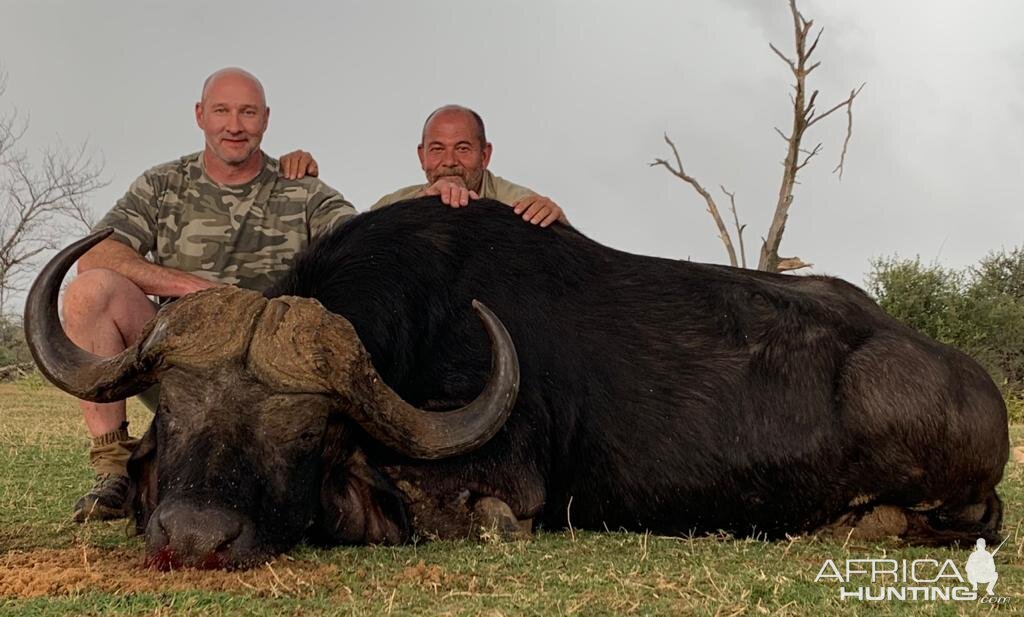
{"x": 94, "y": 290}
{"x": 99, "y": 298}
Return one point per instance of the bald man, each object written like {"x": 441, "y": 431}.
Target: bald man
{"x": 454, "y": 154}
{"x": 224, "y": 216}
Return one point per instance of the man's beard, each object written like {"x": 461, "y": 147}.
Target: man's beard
{"x": 459, "y": 176}
{"x": 233, "y": 157}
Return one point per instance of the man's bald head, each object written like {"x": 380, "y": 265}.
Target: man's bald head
{"x": 454, "y": 146}
{"x": 233, "y": 74}
{"x": 233, "y": 114}
{"x": 456, "y": 111}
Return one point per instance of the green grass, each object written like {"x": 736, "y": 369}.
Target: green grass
{"x": 1015, "y": 409}
{"x": 50, "y": 566}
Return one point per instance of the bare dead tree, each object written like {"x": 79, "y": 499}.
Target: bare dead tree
{"x": 42, "y": 201}
{"x": 805, "y": 115}
{"x": 739, "y": 228}
{"x": 723, "y": 231}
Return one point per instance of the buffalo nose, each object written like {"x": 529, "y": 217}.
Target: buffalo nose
{"x": 198, "y": 537}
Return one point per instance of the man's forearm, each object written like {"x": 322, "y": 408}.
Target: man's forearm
{"x": 152, "y": 279}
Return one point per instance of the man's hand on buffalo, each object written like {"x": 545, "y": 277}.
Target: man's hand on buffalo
{"x": 539, "y": 210}
{"x": 298, "y": 164}
{"x": 452, "y": 191}
{"x": 535, "y": 209}
{"x": 191, "y": 284}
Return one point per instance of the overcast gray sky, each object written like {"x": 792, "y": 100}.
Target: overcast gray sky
{"x": 576, "y": 96}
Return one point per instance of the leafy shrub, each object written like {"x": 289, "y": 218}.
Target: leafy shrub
{"x": 979, "y": 309}
{"x": 33, "y": 382}
{"x": 13, "y": 349}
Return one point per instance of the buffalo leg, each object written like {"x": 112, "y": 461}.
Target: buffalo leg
{"x": 876, "y": 524}
{"x": 939, "y": 526}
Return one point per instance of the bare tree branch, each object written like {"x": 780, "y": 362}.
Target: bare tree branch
{"x": 814, "y": 45}
{"x": 810, "y": 155}
{"x": 739, "y": 228}
{"x": 677, "y": 171}
{"x": 788, "y": 264}
{"x": 845, "y": 103}
{"x": 810, "y": 105}
{"x": 849, "y": 131}
{"x": 40, "y": 203}
{"x": 792, "y": 66}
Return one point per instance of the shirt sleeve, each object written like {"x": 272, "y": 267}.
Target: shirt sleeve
{"x": 402, "y": 194}
{"x": 327, "y": 208}
{"x": 508, "y": 192}
{"x": 134, "y": 216}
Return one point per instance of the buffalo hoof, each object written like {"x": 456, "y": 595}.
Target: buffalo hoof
{"x": 496, "y": 521}
{"x": 928, "y": 524}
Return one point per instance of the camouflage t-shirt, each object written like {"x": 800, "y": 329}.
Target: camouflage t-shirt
{"x": 245, "y": 235}
{"x": 491, "y": 187}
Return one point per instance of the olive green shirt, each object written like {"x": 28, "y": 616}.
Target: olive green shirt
{"x": 245, "y": 235}
{"x": 492, "y": 187}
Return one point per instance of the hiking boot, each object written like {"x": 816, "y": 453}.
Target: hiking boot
{"x": 107, "y": 499}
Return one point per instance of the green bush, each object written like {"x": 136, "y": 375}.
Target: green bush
{"x": 13, "y": 349}
{"x": 926, "y": 298}
{"x": 979, "y": 309}
{"x": 1015, "y": 408}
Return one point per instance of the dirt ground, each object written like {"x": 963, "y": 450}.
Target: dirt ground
{"x": 71, "y": 571}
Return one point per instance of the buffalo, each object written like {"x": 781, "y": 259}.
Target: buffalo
{"x": 361, "y": 401}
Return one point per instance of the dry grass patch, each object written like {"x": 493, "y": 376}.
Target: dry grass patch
{"x": 73, "y": 571}
{"x": 33, "y": 413}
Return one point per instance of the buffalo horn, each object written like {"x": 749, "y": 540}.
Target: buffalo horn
{"x": 69, "y": 367}
{"x": 434, "y": 435}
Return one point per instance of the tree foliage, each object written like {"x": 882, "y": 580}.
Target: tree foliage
{"x": 979, "y": 309}
{"x": 13, "y": 349}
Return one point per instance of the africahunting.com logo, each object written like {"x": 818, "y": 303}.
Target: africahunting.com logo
{"x": 876, "y": 580}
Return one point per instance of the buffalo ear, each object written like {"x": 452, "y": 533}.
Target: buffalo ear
{"x": 142, "y": 469}
{"x": 358, "y": 504}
